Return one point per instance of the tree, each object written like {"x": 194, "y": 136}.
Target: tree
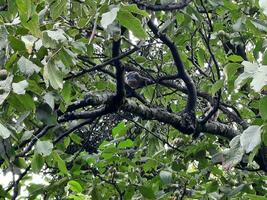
{"x": 134, "y": 99}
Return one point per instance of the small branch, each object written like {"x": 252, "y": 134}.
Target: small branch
{"x": 66, "y": 133}
{"x": 105, "y": 63}
{"x": 16, "y": 183}
{"x": 33, "y": 141}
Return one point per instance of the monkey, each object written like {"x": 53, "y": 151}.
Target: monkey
{"x": 135, "y": 80}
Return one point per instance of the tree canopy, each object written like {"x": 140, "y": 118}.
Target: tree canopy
{"x": 133, "y": 99}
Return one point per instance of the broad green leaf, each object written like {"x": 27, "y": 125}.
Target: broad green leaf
{"x": 134, "y": 9}
{"x": 132, "y": 23}
{"x": 29, "y": 18}
{"x": 19, "y": 88}
{"x": 235, "y": 58}
{"x": 43, "y": 148}
{"x": 149, "y": 165}
{"x": 147, "y": 192}
{"x": 3, "y": 37}
{"x": 263, "y": 6}
{"x": 254, "y": 71}
{"x": 230, "y": 70}
{"x": 166, "y": 177}
{"x": 57, "y": 8}
{"x": 216, "y": 87}
{"x": 66, "y": 92}
{"x": 50, "y": 99}
{"x": 109, "y": 17}
{"x": 254, "y": 196}
{"x": 17, "y": 44}
{"x": 5, "y": 88}
{"x": 27, "y": 67}
{"x": 75, "y": 186}
{"x": 263, "y": 107}
{"x": 126, "y": 144}
{"x": 22, "y": 102}
{"x": 212, "y": 186}
{"x": 54, "y": 38}
{"x": 29, "y": 42}
{"x": 230, "y": 157}
{"x": 60, "y": 163}
{"x": 53, "y": 75}
{"x": 250, "y": 138}
{"x": 75, "y": 138}
{"x": 4, "y": 132}
{"x": 96, "y": 194}
{"x": 37, "y": 162}
{"x": 259, "y": 24}
{"x": 119, "y": 130}
{"x": 26, "y": 135}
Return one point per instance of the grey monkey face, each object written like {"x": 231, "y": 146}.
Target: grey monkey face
{"x": 133, "y": 79}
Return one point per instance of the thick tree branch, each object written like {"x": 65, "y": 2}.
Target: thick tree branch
{"x": 120, "y": 85}
{"x": 167, "y": 7}
{"x": 180, "y": 121}
{"x": 192, "y": 93}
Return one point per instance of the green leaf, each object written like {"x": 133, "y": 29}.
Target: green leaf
{"x": 119, "y": 130}
{"x": 263, "y": 6}
{"x": 212, "y": 186}
{"x": 4, "y": 132}
{"x": 37, "y": 163}
{"x": 60, "y": 163}
{"x": 254, "y": 196}
{"x": 19, "y": 88}
{"x": 264, "y": 59}
{"x": 27, "y": 67}
{"x": 230, "y": 157}
{"x": 126, "y": 144}
{"x": 5, "y": 88}
{"x": 53, "y": 75}
{"x": 96, "y": 195}
{"x": 22, "y": 102}
{"x": 66, "y": 92}
{"x": 50, "y": 99}
{"x": 54, "y": 38}
{"x": 26, "y": 135}
{"x": 57, "y": 8}
{"x": 134, "y": 9}
{"x": 43, "y": 148}
{"x": 75, "y": 138}
{"x": 147, "y": 192}
{"x": 109, "y": 17}
{"x": 216, "y": 87}
{"x": 132, "y": 23}
{"x": 263, "y": 108}
{"x": 28, "y": 16}
{"x": 16, "y": 44}
{"x": 235, "y": 58}
{"x": 3, "y": 37}
{"x": 166, "y": 177}
{"x": 250, "y": 138}
{"x": 230, "y": 70}
{"x": 254, "y": 71}
{"x": 75, "y": 186}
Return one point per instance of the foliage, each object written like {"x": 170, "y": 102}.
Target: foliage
{"x": 160, "y": 99}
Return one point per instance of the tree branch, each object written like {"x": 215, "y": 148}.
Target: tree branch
{"x": 192, "y": 93}
{"x": 166, "y": 7}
